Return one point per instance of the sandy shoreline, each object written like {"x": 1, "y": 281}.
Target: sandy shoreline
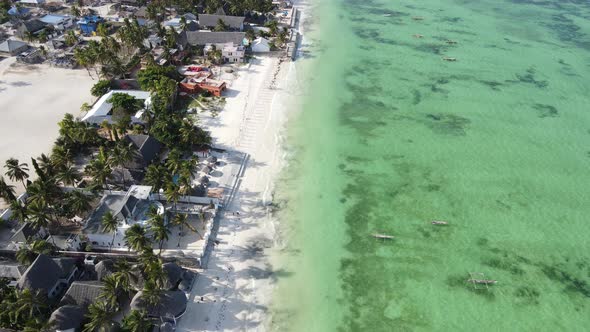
{"x": 47, "y": 92}
{"x": 237, "y": 285}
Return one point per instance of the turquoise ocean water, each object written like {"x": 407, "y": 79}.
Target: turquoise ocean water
{"x": 391, "y": 137}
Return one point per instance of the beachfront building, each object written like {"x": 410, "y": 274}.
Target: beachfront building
{"x": 233, "y": 23}
{"x": 230, "y": 52}
{"x": 31, "y": 27}
{"x": 130, "y": 208}
{"x": 49, "y": 275}
{"x": 196, "y": 84}
{"x": 260, "y": 45}
{"x": 13, "y": 47}
{"x": 191, "y": 23}
{"x": 58, "y": 22}
{"x": 219, "y": 39}
{"x": 103, "y": 110}
{"x": 88, "y": 24}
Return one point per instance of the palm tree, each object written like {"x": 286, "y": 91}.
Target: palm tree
{"x": 172, "y": 193}
{"x": 29, "y": 304}
{"x": 156, "y": 176}
{"x": 85, "y": 108}
{"x": 99, "y": 169}
{"x": 181, "y": 219}
{"x": 174, "y": 162}
{"x": 61, "y": 156}
{"x": 100, "y": 317}
{"x": 124, "y": 274}
{"x": 68, "y": 175}
{"x": 17, "y": 171}
{"x": 110, "y": 223}
{"x": 78, "y": 202}
{"x": 160, "y": 231}
{"x": 123, "y": 154}
{"x": 151, "y": 293}
{"x": 46, "y": 165}
{"x": 44, "y": 191}
{"x": 154, "y": 272}
{"x": 135, "y": 238}
{"x": 82, "y": 58}
{"x": 19, "y": 211}
{"x": 111, "y": 291}
{"x": 27, "y": 254}
{"x": 6, "y": 190}
{"x": 137, "y": 321}
{"x": 38, "y": 214}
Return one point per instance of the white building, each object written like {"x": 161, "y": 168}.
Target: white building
{"x": 59, "y": 22}
{"x": 260, "y": 45}
{"x": 131, "y": 207}
{"x": 102, "y": 109}
{"x": 230, "y": 52}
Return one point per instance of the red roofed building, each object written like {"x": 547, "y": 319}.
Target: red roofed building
{"x": 193, "y": 85}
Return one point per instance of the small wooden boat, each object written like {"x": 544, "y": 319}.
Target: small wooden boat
{"x": 418, "y": 35}
{"x": 449, "y": 59}
{"x": 451, "y": 42}
{"x": 439, "y": 222}
{"x": 482, "y": 281}
{"x": 387, "y": 15}
{"x": 417, "y": 18}
{"x": 382, "y": 236}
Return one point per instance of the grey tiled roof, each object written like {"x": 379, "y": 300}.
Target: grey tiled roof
{"x": 82, "y": 293}
{"x": 45, "y": 272}
{"x": 11, "y": 270}
{"x": 148, "y": 148}
{"x": 234, "y": 22}
{"x": 208, "y": 37}
{"x": 11, "y": 45}
{"x": 33, "y": 25}
{"x": 24, "y": 234}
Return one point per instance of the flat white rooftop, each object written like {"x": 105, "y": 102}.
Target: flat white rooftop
{"x": 101, "y": 110}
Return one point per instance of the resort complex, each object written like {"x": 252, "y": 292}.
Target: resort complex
{"x": 121, "y": 224}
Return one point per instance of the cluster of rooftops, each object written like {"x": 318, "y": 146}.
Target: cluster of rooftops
{"x": 72, "y": 284}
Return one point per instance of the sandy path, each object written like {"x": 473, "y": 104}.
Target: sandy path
{"x": 32, "y": 100}
{"x": 237, "y": 285}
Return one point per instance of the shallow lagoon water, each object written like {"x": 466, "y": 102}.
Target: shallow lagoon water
{"x": 391, "y": 137}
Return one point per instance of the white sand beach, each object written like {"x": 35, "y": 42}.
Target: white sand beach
{"x": 33, "y": 99}
{"x": 234, "y": 292}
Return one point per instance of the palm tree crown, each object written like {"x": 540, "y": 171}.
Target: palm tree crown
{"x": 16, "y": 171}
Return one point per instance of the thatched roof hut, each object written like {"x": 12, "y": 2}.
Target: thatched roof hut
{"x": 173, "y": 275}
{"x": 67, "y": 317}
{"x": 171, "y": 304}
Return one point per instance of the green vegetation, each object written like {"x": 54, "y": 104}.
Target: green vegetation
{"x": 100, "y": 88}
